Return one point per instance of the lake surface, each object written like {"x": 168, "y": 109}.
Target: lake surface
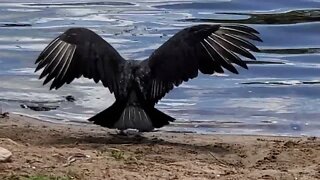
{"x": 273, "y": 99}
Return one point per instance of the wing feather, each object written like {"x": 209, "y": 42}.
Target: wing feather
{"x": 79, "y": 52}
{"x": 230, "y": 57}
{"x": 233, "y": 47}
{"x": 213, "y": 48}
{"x": 240, "y": 33}
{"x": 59, "y": 62}
{"x": 204, "y": 48}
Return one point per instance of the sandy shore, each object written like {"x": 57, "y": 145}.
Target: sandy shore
{"x": 42, "y": 149}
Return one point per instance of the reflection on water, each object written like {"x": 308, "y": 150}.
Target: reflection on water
{"x": 279, "y": 94}
{"x": 292, "y": 51}
{"x": 290, "y": 17}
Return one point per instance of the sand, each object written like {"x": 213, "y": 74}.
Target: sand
{"x": 89, "y": 152}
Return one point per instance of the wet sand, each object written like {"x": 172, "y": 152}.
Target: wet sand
{"x": 90, "y": 152}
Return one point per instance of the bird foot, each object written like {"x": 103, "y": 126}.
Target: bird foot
{"x": 130, "y": 133}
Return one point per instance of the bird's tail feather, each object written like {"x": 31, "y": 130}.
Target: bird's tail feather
{"x": 158, "y": 118}
{"x": 122, "y": 116}
{"x": 109, "y": 116}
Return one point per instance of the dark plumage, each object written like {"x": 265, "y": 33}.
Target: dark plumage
{"x": 139, "y": 85}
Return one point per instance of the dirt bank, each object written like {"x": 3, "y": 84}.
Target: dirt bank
{"x": 90, "y": 152}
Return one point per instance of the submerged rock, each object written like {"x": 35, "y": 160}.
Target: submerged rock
{"x": 39, "y": 107}
{"x": 5, "y": 155}
{"x": 70, "y": 98}
{"x": 15, "y": 25}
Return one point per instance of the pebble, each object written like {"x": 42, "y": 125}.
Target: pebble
{"x": 5, "y": 155}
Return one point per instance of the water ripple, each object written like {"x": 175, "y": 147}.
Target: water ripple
{"x": 279, "y": 94}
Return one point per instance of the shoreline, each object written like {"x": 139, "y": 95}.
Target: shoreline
{"x": 91, "y": 152}
{"x": 33, "y": 119}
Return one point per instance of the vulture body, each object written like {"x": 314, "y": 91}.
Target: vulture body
{"x": 139, "y": 85}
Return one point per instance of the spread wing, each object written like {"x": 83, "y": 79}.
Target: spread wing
{"x": 80, "y": 52}
{"x": 204, "y": 48}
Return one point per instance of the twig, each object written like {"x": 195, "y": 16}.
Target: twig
{"x": 73, "y": 158}
{"x": 70, "y": 160}
{"x": 114, "y": 149}
{"x": 220, "y": 161}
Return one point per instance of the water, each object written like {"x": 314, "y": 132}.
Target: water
{"x": 273, "y": 99}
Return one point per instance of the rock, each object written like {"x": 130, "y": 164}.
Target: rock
{"x": 39, "y": 107}
{"x": 70, "y": 98}
{"x": 14, "y": 25}
{"x": 5, "y": 155}
{"x": 4, "y": 115}
{"x": 23, "y": 106}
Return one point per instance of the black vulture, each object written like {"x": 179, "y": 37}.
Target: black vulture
{"x": 139, "y": 85}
